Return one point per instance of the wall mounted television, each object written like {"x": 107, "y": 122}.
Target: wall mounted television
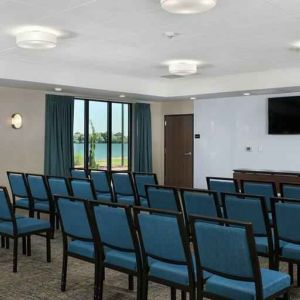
{"x": 284, "y": 115}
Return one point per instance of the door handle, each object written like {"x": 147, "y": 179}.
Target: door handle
{"x": 188, "y": 154}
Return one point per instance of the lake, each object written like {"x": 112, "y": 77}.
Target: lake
{"x": 101, "y": 150}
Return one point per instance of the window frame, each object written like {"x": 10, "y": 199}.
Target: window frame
{"x": 109, "y": 131}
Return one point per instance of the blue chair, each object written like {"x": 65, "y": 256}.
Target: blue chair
{"x": 58, "y": 186}
{"x": 114, "y": 231}
{"x": 78, "y": 240}
{"x": 228, "y": 253}
{"x": 253, "y": 209}
{"x": 286, "y": 216}
{"x": 259, "y": 188}
{"x": 14, "y": 228}
{"x": 124, "y": 188}
{"x": 163, "y": 197}
{"x": 140, "y": 182}
{"x": 41, "y": 196}
{"x": 200, "y": 202}
{"x": 82, "y": 188}
{"x": 166, "y": 255}
{"x": 20, "y": 192}
{"x": 290, "y": 190}
{"x": 222, "y": 185}
{"x": 101, "y": 180}
{"x": 79, "y": 173}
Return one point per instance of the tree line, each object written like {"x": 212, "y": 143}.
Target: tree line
{"x": 100, "y": 137}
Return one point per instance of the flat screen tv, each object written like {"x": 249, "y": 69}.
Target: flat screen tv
{"x": 284, "y": 115}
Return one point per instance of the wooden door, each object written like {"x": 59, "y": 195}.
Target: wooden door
{"x": 179, "y": 158}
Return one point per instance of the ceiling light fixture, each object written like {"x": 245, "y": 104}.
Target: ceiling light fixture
{"x": 247, "y": 94}
{"x": 193, "y": 98}
{"x": 58, "y": 89}
{"x": 36, "y": 39}
{"x": 183, "y": 67}
{"x": 122, "y": 96}
{"x": 295, "y": 46}
{"x": 187, "y": 6}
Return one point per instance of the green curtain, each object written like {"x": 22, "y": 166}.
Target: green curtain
{"x": 142, "y": 138}
{"x": 59, "y": 135}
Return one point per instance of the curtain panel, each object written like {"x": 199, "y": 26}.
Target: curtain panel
{"x": 142, "y": 138}
{"x": 59, "y": 135}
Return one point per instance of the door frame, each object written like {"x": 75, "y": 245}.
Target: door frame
{"x": 174, "y": 115}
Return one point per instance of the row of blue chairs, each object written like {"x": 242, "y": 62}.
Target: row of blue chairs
{"x": 13, "y": 226}
{"x": 34, "y": 192}
{"x": 122, "y": 187}
{"x": 258, "y": 188}
{"x": 154, "y": 245}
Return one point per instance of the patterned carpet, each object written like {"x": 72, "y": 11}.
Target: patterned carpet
{"x": 37, "y": 279}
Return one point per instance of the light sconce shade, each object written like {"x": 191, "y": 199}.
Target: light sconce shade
{"x": 187, "y": 6}
{"x": 16, "y": 121}
{"x": 36, "y": 39}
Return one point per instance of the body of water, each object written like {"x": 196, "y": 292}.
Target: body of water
{"x": 101, "y": 150}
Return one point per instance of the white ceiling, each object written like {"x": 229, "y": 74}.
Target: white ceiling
{"x": 119, "y": 45}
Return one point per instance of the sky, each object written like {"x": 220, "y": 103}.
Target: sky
{"x": 98, "y": 115}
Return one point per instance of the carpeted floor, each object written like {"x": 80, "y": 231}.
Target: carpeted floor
{"x": 37, "y": 279}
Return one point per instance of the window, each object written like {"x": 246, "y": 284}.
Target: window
{"x": 78, "y": 134}
{"x": 101, "y": 135}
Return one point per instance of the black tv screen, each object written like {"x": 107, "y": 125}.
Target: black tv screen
{"x": 284, "y": 115}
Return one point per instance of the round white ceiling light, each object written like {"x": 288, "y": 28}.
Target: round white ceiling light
{"x": 295, "y": 46}
{"x": 36, "y": 39}
{"x": 187, "y": 6}
{"x": 183, "y": 67}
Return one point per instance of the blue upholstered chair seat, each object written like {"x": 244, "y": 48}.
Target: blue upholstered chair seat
{"x": 121, "y": 259}
{"x": 290, "y": 250}
{"x": 24, "y": 225}
{"x": 262, "y": 244}
{"x": 272, "y": 282}
{"x": 144, "y": 201}
{"x": 171, "y": 272}
{"x": 41, "y": 205}
{"x": 38, "y": 204}
{"x": 106, "y": 197}
{"x": 82, "y": 248}
{"x": 128, "y": 200}
{"x": 22, "y": 202}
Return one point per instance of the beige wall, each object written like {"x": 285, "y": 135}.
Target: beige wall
{"x": 158, "y": 111}
{"x": 21, "y": 149}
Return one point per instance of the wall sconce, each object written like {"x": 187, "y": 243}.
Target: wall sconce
{"x": 16, "y": 121}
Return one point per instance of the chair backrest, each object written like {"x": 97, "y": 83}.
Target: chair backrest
{"x": 79, "y": 173}
{"x": 163, "y": 197}
{"x": 247, "y": 208}
{"x": 286, "y": 218}
{"x": 222, "y": 185}
{"x": 18, "y": 184}
{"x": 143, "y": 179}
{"x": 114, "y": 227}
{"x": 122, "y": 184}
{"x": 290, "y": 190}
{"x": 163, "y": 237}
{"x": 58, "y": 186}
{"x": 82, "y": 188}
{"x": 6, "y": 212}
{"x": 101, "y": 181}
{"x": 259, "y": 188}
{"x": 38, "y": 187}
{"x": 228, "y": 251}
{"x": 74, "y": 218}
{"x": 200, "y": 202}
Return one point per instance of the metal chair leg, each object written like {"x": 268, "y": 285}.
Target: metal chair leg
{"x": 28, "y": 244}
{"x": 130, "y": 283}
{"x": 15, "y": 255}
{"x": 291, "y": 272}
{"x": 173, "y": 293}
{"x": 64, "y": 271}
{"x": 24, "y": 245}
{"x": 48, "y": 245}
